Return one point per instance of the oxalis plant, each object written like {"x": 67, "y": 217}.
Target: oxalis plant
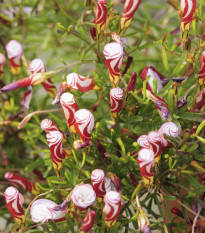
{"x": 102, "y": 116}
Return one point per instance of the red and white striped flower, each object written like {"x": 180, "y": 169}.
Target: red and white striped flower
{"x": 187, "y": 9}
{"x": 116, "y": 96}
{"x": 47, "y": 125}
{"x": 88, "y": 222}
{"x": 156, "y": 145}
{"x": 113, "y": 54}
{"x": 43, "y": 210}
{"x": 84, "y": 123}
{"x": 22, "y": 182}
{"x": 2, "y": 64}
{"x": 143, "y": 222}
{"x": 129, "y": 9}
{"x": 98, "y": 182}
{"x": 26, "y": 100}
{"x": 200, "y": 99}
{"x": 143, "y": 141}
{"x": 69, "y": 107}
{"x": 154, "y": 75}
{"x": 146, "y": 163}
{"x": 38, "y": 66}
{"x": 14, "y": 201}
{"x": 109, "y": 186}
{"x": 101, "y": 15}
{"x": 201, "y": 78}
{"x": 170, "y": 129}
{"x": 54, "y": 139}
{"x": 83, "y": 196}
{"x": 14, "y": 52}
{"x": 78, "y": 82}
{"x": 112, "y": 207}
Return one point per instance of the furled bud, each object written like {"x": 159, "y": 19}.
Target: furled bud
{"x": 102, "y": 151}
{"x": 129, "y": 9}
{"x": 133, "y": 180}
{"x": 156, "y": 145}
{"x": 181, "y": 102}
{"x": 14, "y": 201}
{"x": 54, "y": 139}
{"x": 22, "y": 182}
{"x": 131, "y": 84}
{"x": 14, "y": 52}
{"x": 2, "y": 64}
{"x": 83, "y": 196}
{"x": 26, "y": 100}
{"x": 78, "y": 82}
{"x": 143, "y": 141}
{"x": 69, "y": 107}
{"x": 113, "y": 54}
{"x": 112, "y": 207}
{"x": 116, "y": 96}
{"x": 61, "y": 90}
{"x": 108, "y": 184}
{"x": 187, "y": 9}
{"x": 98, "y": 182}
{"x": 84, "y": 123}
{"x": 170, "y": 129}
{"x": 200, "y": 99}
{"x": 38, "y": 66}
{"x": 154, "y": 75}
{"x": 93, "y": 31}
{"x": 88, "y": 222}
{"x": 146, "y": 163}
{"x": 101, "y": 15}
{"x": 43, "y": 210}
{"x": 143, "y": 222}
{"x": 115, "y": 181}
{"x": 201, "y": 78}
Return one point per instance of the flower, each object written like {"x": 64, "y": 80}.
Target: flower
{"x": 112, "y": 207}
{"x": 101, "y": 14}
{"x": 113, "y": 54}
{"x": 131, "y": 84}
{"x": 14, "y": 52}
{"x": 84, "y": 123}
{"x": 116, "y": 96}
{"x": 88, "y": 222}
{"x": 69, "y": 107}
{"x": 143, "y": 222}
{"x": 22, "y": 182}
{"x": 43, "y": 210}
{"x": 78, "y": 82}
{"x": 201, "y": 78}
{"x": 98, "y": 182}
{"x": 83, "y": 196}
{"x": 146, "y": 163}
{"x": 47, "y": 125}
{"x": 61, "y": 90}
{"x": 156, "y": 144}
{"x": 38, "y": 66}
{"x": 170, "y": 129}
{"x": 109, "y": 186}
{"x": 129, "y": 9}
{"x": 54, "y": 139}
{"x": 187, "y": 9}
{"x": 200, "y": 99}
{"x": 93, "y": 30}
{"x": 2, "y": 64}
{"x": 26, "y": 100}
{"x": 181, "y": 102}
{"x": 143, "y": 141}
{"x": 14, "y": 201}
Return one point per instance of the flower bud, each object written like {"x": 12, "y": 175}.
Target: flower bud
{"x": 133, "y": 180}
{"x": 93, "y": 31}
{"x": 2, "y": 64}
{"x": 102, "y": 151}
{"x": 116, "y": 96}
{"x": 129, "y": 9}
{"x": 78, "y": 82}
{"x": 26, "y": 100}
{"x": 83, "y": 196}
{"x": 38, "y": 66}
{"x": 143, "y": 222}
{"x": 47, "y": 125}
{"x": 155, "y": 144}
{"x": 54, "y": 139}
{"x": 201, "y": 78}
{"x": 143, "y": 141}
{"x": 187, "y": 9}
{"x": 109, "y": 186}
{"x": 98, "y": 182}
{"x": 170, "y": 129}
{"x": 113, "y": 54}
{"x": 14, "y": 201}
{"x": 101, "y": 15}
{"x": 20, "y": 181}
{"x": 43, "y": 210}
{"x": 84, "y": 123}
{"x": 69, "y": 107}
{"x": 88, "y": 222}
{"x": 146, "y": 163}
{"x": 115, "y": 181}
{"x": 200, "y": 99}
{"x": 61, "y": 90}
{"x": 14, "y": 52}
{"x": 112, "y": 207}
{"x": 131, "y": 84}
{"x": 181, "y": 102}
